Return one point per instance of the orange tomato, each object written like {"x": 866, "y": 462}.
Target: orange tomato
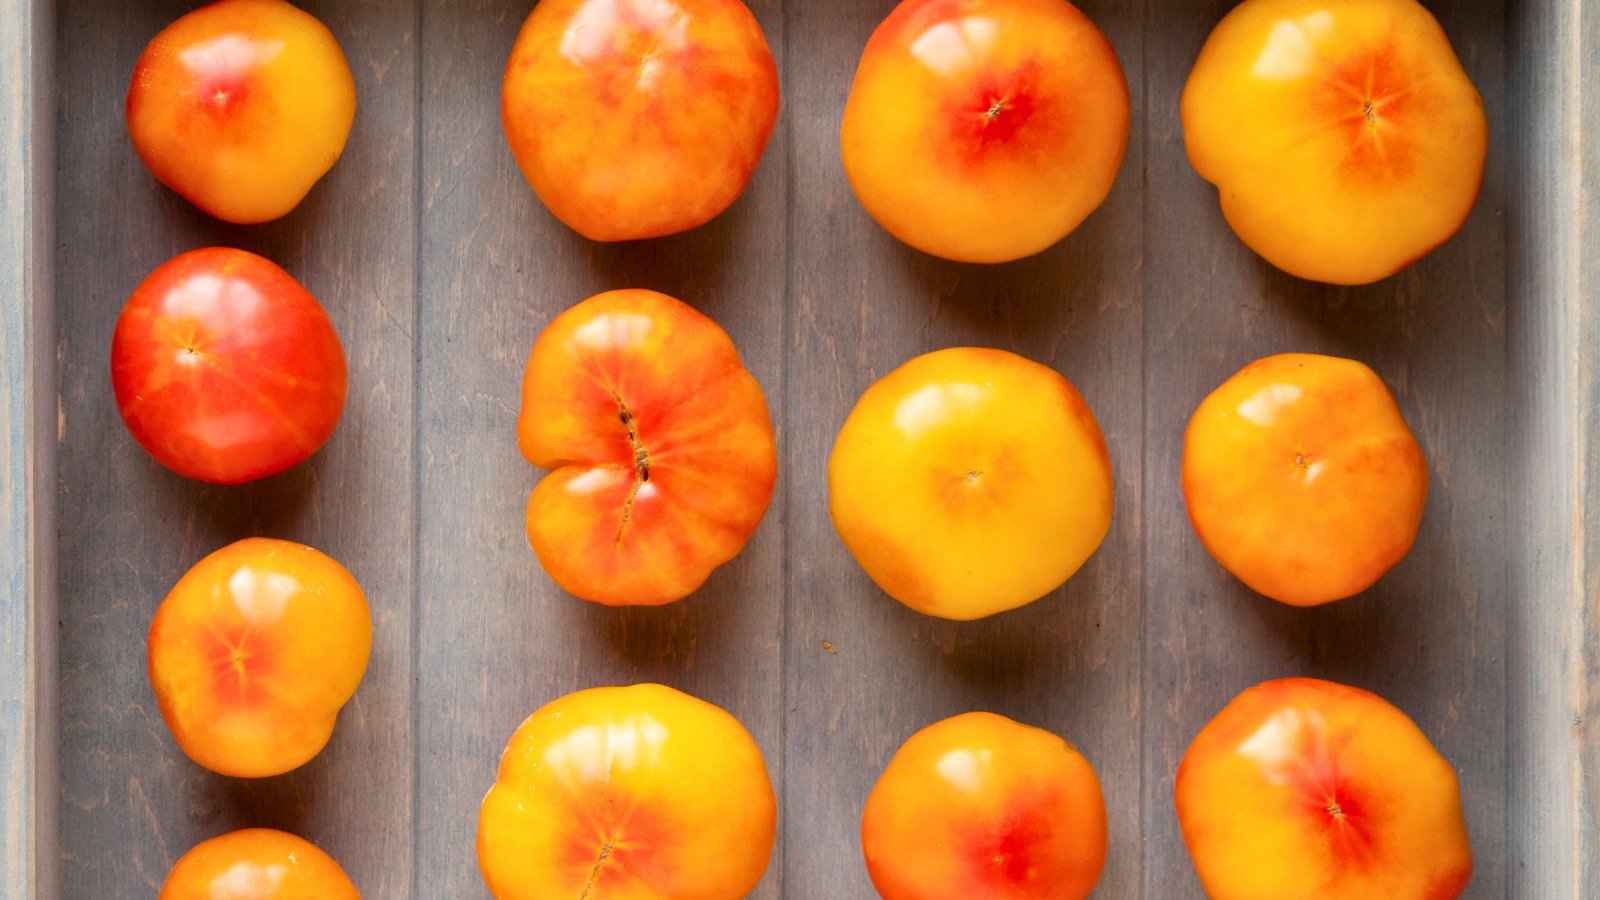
{"x": 661, "y": 445}
{"x": 241, "y": 106}
{"x": 985, "y": 130}
{"x": 981, "y": 806}
{"x": 253, "y": 654}
{"x": 1302, "y": 479}
{"x": 639, "y": 118}
{"x": 1344, "y": 138}
{"x": 257, "y": 864}
{"x": 1306, "y": 788}
{"x": 628, "y": 793}
{"x": 970, "y": 481}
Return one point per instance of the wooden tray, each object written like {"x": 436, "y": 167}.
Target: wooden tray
{"x": 439, "y": 267}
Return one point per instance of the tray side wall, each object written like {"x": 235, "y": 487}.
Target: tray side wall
{"x": 28, "y": 858}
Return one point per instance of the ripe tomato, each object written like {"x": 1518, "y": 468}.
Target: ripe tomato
{"x": 985, "y": 130}
{"x": 241, "y": 106}
{"x": 1344, "y": 138}
{"x": 225, "y": 368}
{"x": 1302, "y": 478}
{"x": 980, "y": 806}
{"x": 257, "y": 864}
{"x": 970, "y": 481}
{"x": 639, "y": 118}
{"x": 254, "y": 652}
{"x": 628, "y": 793}
{"x": 1306, "y": 788}
{"x": 661, "y": 445}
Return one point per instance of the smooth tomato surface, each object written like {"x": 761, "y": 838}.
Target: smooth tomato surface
{"x": 639, "y": 118}
{"x": 985, "y": 130}
{"x": 257, "y": 864}
{"x": 660, "y": 443}
{"x": 978, "y": 805}
{"x": 1303, "y": 479}
{"x": 970, "y": 481}
{"x": 241, "y": 106}
{"x": 1307, "y": 788}
{"x": 628, "y": 793}
{"x": 225, "y": 368}
{"x": 1344, "y": 137}
{"x": 254, "y": 652}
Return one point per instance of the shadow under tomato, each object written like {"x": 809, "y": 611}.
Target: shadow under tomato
{"x": 216, "y": 515}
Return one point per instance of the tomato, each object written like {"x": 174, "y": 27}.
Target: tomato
{"x": 1302, "y": 478}
{"x": 241, "y": 106}
{"x": 980, "y": 806}
{"x": 639, "y": 118}
{"x": 225, "y": 368}
{"x": 254, "y": 652}
{"x": 985, "y": 130}
{"x": 661, "y": 445}
{"x": 1344, "y": 137}
{"x": 257, "y": 864}
{"x": 970, "y": 481}
{"x": 1306, "y": 788}
{"x": 628, "y": 793}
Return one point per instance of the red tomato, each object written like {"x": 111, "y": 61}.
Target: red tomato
{"x": 254, "y": 652}
{"x": 639, "y": 118}
{"x": 1303, "y": 788}
{"x": 980, "y": 806}
{"x": 225, "y": 368}
{"x": 241, "y": 106}
{"x": 257, "y": 864}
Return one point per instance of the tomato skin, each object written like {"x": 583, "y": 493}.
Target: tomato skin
{"x": 628, "y": 793}
{"x": 978, "y": 805}
{"x": 241, "y": 106}
{"x": 660, "y": 444}
{"x": 257, "y": 864}
{"x": 1345, "y": 139}
{"x": 639, "y": 118}
{"x": 985, "y": 130}
{"x": 1307, "y": 788}
{"x": 1303, "y": 479}
{"x": 970, "y": 481}
{"x": 254, "y": 652}
{"x": 225, "y": 368}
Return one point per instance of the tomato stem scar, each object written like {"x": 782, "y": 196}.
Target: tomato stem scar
{"x": 594, "y": 874}
{"x": 641, "y": 465}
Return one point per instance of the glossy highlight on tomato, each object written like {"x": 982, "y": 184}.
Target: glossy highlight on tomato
{"x": 241, "y": 106}
{"x": 254, "y": 652}
{"x": 628, "y": 793}
{"x": 257, "y": 864}
{"x": 660, "y": 444}
{"x": 225, "y": 368}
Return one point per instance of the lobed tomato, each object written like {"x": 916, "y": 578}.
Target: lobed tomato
{"x": 1344, "y": 138}
{"x": 981, "y": 806}
{"x": 241, "y": 106}
{"x": 985, "y": 130}
{"x": 225, "y": 368}
{"x": 257, "y": 864}
{"x": 628, "y": 793}
{"x": 254, "y": 652}
{"x": 661, "y": 447}
{"x": 639, "y": 118}
{"x": 970, "y": 481}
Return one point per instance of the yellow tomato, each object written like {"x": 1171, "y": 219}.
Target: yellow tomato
{"x": 970, "y": 481}
{"x": 985, "y": 130}
{"x": 980, "y": 806}
{"x": 254, "y": 652}
{"x": 1344, "y": 137}
{"x": 1302, "y": 478}
{"x": 628, "y": 793}
{"x": 1303, "y": 788}
{"x": 257, "y": 864}
{"x": 241, "y": 106}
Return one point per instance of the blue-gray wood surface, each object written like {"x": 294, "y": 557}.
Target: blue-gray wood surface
{"x": 439, "y": 268}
